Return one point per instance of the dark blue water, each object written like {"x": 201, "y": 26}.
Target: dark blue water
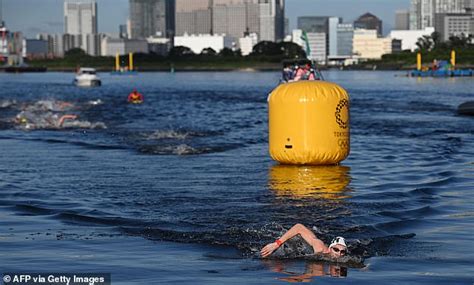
{"x": 181, "y": 189}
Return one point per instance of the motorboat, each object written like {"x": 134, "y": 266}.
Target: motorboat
{"x": 87, "y": 77}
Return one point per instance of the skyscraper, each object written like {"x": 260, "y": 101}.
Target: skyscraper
{"x": 316, "y": 24}
{"x": 231, "y": 17}
{"x": 322, "y": 25}
{"x": 193, "y": 17}
{"x": 80, "y": 19}
{"x": 235, "y": 18}
{"x": 422, "y": 12}
{"x": 402, "y": 20}
{"x": 152, "y": 18}
{"x": 272, "y": 20}
{"x": 369, "y": 21}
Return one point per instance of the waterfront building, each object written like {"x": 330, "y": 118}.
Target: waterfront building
{"x": 454, "y": 24}
{"x": 409, "y": 38}
{"x": 332, "y": 39}
{"x": 272, "y": 20}
{"x": 369, "y": 21}
{"x": 318, "y": 25}
{"x": 247, "y": 43}
{"x": 72, "y": 42}
{"x": 3, "y": 42}
{"x": 315, "y": 46}
{"x": 318, "y": 47}
{"x": 193, "y": 17}
{"x": 123, "y": 32}
{"x": 235, "y": 18}
{"x": 36, "y": 48}
{"x": 55, "y": 44}
{"x": 368, "y": 45}
{"x": 80, "y": 18}
{"x": 159, "y": 46}
{"x": 402, "y": 20}
{"x": 112, "y": 46}
{"x": 345, "y": 35}
{"x": 12, "y": 46}
{"x": 152, "y": 18}
{"x": 199, "y": 42}
{"x": 423, "y": 12}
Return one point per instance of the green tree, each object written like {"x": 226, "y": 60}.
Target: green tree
{"x": 179, "y": 51}
{"x": 461, "y": 41}
{"x": 266, "y": 48}
{"x": 226, "y": 52}
{"x": 291, "y": 50}
{"x": 75, "y": 52}
{"x": 208, "y": 51}
{"x": 425, "y": 43}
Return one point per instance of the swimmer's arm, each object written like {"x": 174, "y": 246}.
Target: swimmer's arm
{"x": 65, "y": 117}
{"x": 298, "y": 229}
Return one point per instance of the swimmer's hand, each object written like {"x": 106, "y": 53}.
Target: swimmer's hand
{"x": 268, "y": 249}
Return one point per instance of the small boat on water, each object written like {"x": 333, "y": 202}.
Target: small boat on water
{"x": 120, "y": 70}
{"x": 441, "y": 68}
{"x": 87, "y": 77}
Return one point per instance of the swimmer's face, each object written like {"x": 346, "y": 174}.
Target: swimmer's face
{"x": 338, "y": 250}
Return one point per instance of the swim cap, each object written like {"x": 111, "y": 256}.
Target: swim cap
{"x": 338, "y": 240}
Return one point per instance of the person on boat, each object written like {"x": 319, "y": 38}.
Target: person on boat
{"x": 300, "y": 73}
{"x": 135, "y": 97}
{"x": 287, "y": 73}
{"x": 336, "y": 249}
{"x": 434, "y": 65}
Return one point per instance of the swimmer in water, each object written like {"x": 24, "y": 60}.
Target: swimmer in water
{"x": 336, "y": 249}
{"x": 135, "y": 97}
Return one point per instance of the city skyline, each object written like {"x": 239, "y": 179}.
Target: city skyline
{"x": 49, "y": 17}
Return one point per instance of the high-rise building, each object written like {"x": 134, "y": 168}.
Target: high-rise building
{"x": 317, "y": 26}
{"x": 368, "y": 44}
{"x": 235, "y": 18}
{"x": 369, "y": 21}
{"x": 152, "y": 18}
{"x": 409, "y": 38}
{"x": 402, "y": 20}
{"x": 272, "y": 20}
{"x": 454, "y": 24}
{"x": 423, "y": 12}
{"x": 332, "y": 36}
{"x": 345, "y": 35}
{"x": 80, "y": 19}
{"x": 193, "y": 17}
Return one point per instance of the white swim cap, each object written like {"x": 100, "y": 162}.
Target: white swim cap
{"x": 338, "y": 240}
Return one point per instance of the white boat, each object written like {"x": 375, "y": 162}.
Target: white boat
{"x": 87, "y": 77}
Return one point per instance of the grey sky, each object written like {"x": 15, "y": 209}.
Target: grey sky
{"x": 46, "y": 16}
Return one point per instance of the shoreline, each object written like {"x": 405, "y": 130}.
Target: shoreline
{"x": 366, "y": 67}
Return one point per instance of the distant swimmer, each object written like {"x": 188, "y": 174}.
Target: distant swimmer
{"x": 135, "y": 97}
{"x": 65, "y": 117}
{"x": 336, "y": 249}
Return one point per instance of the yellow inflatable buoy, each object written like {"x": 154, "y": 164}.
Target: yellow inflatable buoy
{"x": 309, "y": 123}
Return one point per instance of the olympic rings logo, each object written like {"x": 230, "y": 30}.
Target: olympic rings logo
{"x": 344, "y": 103}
